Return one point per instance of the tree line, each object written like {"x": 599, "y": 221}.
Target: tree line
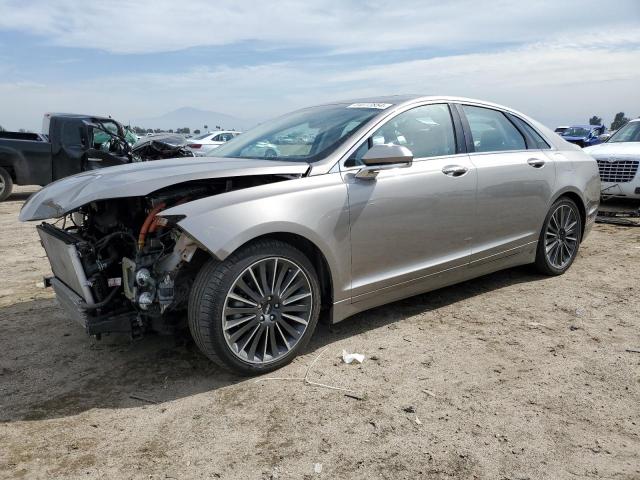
{"x": 183, "y": 130}
{"x": 618, "y": 121}
{"x": 144, "y": 131}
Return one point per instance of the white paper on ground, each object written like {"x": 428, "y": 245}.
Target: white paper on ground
{"x": 350, "y": 357}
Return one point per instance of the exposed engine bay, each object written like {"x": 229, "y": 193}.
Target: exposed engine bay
{"x": 120, "y": 266}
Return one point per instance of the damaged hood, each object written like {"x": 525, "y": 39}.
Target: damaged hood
{"x": 140, "y": 179}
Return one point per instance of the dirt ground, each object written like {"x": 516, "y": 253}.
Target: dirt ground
{"x": 510, "y": 376}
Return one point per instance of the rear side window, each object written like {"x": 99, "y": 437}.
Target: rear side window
{"x": 492, "y": 131}
{"x": 535, "y": 140}
{"x": 71, "y": 134}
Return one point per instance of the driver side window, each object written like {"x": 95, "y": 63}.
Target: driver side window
{"x": 427, "y": 131}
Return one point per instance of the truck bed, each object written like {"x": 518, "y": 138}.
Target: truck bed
{"x": 23, "y": 136}
{"x": 28, "y": 161}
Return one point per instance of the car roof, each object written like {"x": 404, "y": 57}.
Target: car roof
{"x": 398, "y": 100}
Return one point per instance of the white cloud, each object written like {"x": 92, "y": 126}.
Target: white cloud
{"x": 558, "y": 61}
{"x": 553, "y": 82}
{"x": 339, "y": 25}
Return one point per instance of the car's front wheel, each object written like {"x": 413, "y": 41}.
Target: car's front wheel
{"x": 256, "y": 310}
{"x": 560, "y": 238}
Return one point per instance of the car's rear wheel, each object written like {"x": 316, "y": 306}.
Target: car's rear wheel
{"x": 560, "y": 238}
{"x": 6, "y": 184}
{"x": 256, "y": 310}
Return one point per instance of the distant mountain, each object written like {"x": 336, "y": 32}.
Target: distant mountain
{"x": 194, "y": 118}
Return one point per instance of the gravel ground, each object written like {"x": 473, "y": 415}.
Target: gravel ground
{"x": 510, "y": 376}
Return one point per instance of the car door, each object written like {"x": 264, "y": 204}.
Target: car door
{"x": 410, "y": 224}
{"x": 104, "y": 150}
{"x": 515, "y": 181}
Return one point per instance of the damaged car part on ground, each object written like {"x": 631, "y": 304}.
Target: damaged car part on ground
{"x": 366, "y": 202}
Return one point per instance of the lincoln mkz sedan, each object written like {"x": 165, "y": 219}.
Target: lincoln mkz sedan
{"x": 367, "y": 202}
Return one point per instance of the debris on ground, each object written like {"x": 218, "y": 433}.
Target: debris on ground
{"x": 621, "y": 215}
{"x": 142, "y": 398}
{"x": 429, "y": 392}
{"x": 355, "y": 396}
{"x": 409, "y": 409}
{"x": 306, "y": 380}
{"x": 539, "y": 325}
{"x": 352, "y": 357}
{"x": 317, "y": 468}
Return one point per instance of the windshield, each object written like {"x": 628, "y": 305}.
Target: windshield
{"x": 629, "y": 133}
{"x": 306, "y": 135}
{"x": 576, "y": 132}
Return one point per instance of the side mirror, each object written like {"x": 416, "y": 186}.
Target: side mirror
{"x": 387, "y": 154}
{"x": 384, "y": 157}
{"x": 604, "y": 137}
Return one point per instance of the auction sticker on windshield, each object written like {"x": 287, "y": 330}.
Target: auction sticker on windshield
{"x": 379, "y": 106}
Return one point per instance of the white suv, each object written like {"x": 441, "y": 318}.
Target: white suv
{"x": 618, "y": 161}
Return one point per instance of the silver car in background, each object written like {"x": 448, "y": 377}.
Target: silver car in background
{"x": 618, "y": 161}
{"x": 203, "y": 144}
{"x": 365, "y": 202}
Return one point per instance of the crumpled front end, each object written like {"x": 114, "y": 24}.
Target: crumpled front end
{"x": 119, "y": 264}
{"x": 118, "y": 267}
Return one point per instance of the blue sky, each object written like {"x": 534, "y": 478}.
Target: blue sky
{"x": 557, "y": 61}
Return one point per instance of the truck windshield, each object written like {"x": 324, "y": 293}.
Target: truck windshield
{"x": 629, "y": 133}
{"x": 306, "y": 135}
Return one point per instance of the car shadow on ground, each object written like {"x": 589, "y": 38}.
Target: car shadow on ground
{"x": 49, "y": 368}
{"x": 19, "y": 196}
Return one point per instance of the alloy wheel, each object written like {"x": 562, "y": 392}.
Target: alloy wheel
{"x": 267, "y": 310}
{"x": 561, "y": 236}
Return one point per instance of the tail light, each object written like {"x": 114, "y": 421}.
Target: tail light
{"x": 195, "y": 145}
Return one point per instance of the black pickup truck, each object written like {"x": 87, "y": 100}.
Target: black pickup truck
{"x": 72, "y": 144}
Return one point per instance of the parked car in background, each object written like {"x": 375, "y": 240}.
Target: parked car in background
{"x": 70, "y": 144}
{"x": 561, "y": 129}
{"x": 202, "y": 145}
{"x": 584, "y": 135}
{"x": 160, "y": 146}
{"x": 618, "y": 160}
{"x": 373, "y": 201}
{"x": 262, "y": 149}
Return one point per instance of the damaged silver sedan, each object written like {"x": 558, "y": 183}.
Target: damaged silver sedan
{"x": 352, "y": 205}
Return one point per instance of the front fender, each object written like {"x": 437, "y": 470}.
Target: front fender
{"x": 315, "y": 208}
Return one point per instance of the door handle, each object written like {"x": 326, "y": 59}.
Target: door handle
{"x": 536, "y": 162}
{"x": 454, "y": 170}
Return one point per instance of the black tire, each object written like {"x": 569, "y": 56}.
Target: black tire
{"x": 6, "y": 184}
{"x": 543, "y": 263}
{"x": 211, "y": 286}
